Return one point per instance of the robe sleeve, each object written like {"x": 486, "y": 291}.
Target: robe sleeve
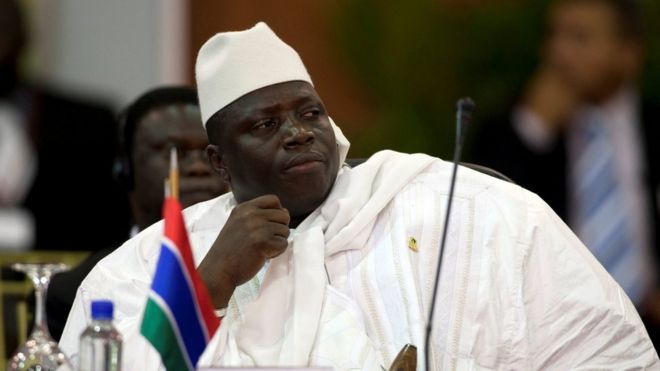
{"x": 123, "y": 277}
{"x": 577, "y": 316}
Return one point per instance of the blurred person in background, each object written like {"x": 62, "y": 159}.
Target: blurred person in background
{"x": 67, "y": 196}
{"x": 155, "y": 122}
{"x": 583, "y": 138}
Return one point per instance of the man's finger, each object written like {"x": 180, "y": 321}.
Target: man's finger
{"x": 278, "y": 229}
{"x": 266, "y": 202}
{"x": 280, "y": 216}
{"x": 277, "y": 246}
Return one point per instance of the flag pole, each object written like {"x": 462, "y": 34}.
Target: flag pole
{"x": 168, "y": 189}
{"x": 174, "y": 174}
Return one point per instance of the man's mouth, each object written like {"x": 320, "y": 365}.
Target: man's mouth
{"x": 304, "y": 162}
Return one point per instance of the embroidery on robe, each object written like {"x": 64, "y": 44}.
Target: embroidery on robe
{"x": 412, "y": 244}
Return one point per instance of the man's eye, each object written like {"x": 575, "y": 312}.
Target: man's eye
{"x": 313, "y": 113}
{"x": 265, "y": 124}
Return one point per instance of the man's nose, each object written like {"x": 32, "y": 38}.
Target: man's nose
{"x": 297, "y": 134}
{"x": 194, "y": 163}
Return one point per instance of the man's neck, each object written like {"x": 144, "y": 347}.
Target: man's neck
{"x": 624, "y": 101}
{"x": 143, "y": 221}
{"x": 296, "y": 220}
{"x": 143, "y": 216}
{"x": 626, "y": 95}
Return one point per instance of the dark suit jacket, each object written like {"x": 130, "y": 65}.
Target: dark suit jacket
{"x": 63, "y": 289}
{"x": 76, "y": 203}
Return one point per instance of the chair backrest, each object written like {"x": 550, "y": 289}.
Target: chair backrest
{"x": 353, "y": 162}
{"x": 488, "y": 171}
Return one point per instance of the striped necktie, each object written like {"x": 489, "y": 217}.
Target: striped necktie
{"x": 602, "y": 217}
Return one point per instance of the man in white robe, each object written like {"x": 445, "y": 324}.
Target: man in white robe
{"x": 350, "y": 283}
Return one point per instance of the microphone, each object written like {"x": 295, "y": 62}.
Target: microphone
{"x": 464, "y": 108}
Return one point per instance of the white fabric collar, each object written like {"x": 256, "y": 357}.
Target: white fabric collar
{"x": 280, "y": 326}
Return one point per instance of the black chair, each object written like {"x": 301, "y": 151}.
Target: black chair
{"x": 487, "y": 171}
{"x": 353, "y": 162}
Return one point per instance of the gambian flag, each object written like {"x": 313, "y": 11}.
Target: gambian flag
{"x": 179, "y": 319}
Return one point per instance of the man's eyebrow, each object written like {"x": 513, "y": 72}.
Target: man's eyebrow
{"x": 302, "y": 99}
{"x": 160, "y": 137}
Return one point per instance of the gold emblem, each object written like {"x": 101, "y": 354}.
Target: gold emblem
{"x": 412, "y": 244}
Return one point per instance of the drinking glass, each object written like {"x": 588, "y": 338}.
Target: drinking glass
{"x": 40, "y": 352}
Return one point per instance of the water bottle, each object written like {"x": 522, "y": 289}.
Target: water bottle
{"x": 100, "y": 343}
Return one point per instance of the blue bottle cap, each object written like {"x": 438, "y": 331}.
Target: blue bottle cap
{"x": 102, "y": 309}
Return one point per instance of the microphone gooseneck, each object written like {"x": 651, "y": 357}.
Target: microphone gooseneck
{"x": 464, "y": 109}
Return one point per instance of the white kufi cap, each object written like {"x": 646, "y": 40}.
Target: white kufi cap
{"x": 232, "y": 64}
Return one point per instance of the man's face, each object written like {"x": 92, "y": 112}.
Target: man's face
{"x": 586, "y": 48}
{"x": 278, "y": 140}
{"x": 159, "y": 130}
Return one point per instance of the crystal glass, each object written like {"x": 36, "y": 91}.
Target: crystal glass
{"x": 40, "y": 352}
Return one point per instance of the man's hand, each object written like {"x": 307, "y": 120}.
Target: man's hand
{"x": 551, "y": 98}
{"x": 256, "y": 230}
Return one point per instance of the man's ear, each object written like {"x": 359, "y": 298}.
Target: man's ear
{"x": 218, "y": 161}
